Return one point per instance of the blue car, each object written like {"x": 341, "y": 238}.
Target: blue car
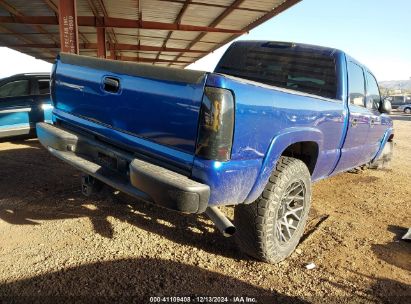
{"x": 24, "y": 101}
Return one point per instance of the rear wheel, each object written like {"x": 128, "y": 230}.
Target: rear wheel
{"x": 270, "y": 228}
{"x": 407, "y": 110}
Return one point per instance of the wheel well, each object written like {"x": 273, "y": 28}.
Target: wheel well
{"x": 306, "y": 151}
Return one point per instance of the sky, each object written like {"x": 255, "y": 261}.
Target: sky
{"x": 375, "y": 32}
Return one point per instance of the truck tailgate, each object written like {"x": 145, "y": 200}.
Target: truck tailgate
{"x": 155, "y": 103}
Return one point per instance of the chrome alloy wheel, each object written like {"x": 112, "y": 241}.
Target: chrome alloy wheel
{"x": 290, "y": 211}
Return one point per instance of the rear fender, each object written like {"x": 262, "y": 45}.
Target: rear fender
{"x": 278, "y": 145}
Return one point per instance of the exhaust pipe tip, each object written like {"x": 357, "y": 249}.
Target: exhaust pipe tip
{"x": 229, "y": 231}
{"x": 223, "y": 224}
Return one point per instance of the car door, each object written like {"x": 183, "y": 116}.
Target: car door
{"x": 373, "y": 103}
{"x": 15, "y": 107}
{"x": 42, "y": 100}
{"x": 354, "y": 152}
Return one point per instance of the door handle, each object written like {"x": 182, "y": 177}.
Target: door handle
{"x": 354, "y": 122}
{"x": 111, "y": 84}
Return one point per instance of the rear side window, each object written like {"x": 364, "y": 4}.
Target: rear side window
{"x": 15, "y": 88}
{"x": 44, "y": 86}
{"x": 373, "y": 92}
{"x": 356, "y": 84}
{"x": 283, "y": 65}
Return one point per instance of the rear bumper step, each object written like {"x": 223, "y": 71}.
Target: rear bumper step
{"x": 133, "y": 176}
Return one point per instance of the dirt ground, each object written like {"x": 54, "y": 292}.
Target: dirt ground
{"x": 56, "y": 245}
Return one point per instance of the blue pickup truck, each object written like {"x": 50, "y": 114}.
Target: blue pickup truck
{"x": 271, "y": 119}
{"x": 24, "y": 101}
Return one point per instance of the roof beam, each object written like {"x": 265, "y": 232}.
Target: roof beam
{"x": 15, "y": 13}
{"x": 111, "y": 35}
{"x": 118, "y": 34}
{"x": 109, "y": 22}
{"x": 279, "y": 9}
{"x": 149, "y": 60}
{"x": 26, "y": 40}
{"x": 177, "y": 21}
{"x": 52, "y": 6}
{"x": 114, "y": 47}
{"x": 216, "y": 21}
{"x": 217, "y": 5}
{"x": 127, "y": 58}
{"x": 134, "y": 47}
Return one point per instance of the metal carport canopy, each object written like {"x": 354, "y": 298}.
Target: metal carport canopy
{"x": 162, "y": 32}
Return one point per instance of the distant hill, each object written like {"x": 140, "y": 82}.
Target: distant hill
{"x": 396, "y": 85}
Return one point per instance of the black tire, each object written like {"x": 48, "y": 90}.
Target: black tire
{"x": 258, "y": 227}
{"x": 407, "y": 110}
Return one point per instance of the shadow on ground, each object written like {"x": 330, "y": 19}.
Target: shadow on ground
{"x": 35, "y": 187}
{"x": 133, "y": 280}
{"x": 397, "y": 252}
{"x": 380, "y": 290}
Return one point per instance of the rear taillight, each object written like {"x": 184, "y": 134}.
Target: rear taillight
{"x": 216, "y": 127}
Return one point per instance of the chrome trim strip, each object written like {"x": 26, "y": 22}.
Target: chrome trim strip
{"x": 17, "y": 110}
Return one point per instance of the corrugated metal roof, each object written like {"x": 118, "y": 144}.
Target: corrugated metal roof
{"x": 234, "y": 15}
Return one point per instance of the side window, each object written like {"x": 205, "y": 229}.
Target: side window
{"x": 356, "y": 84}
{"x": 398, "y": 100}
{"x": 15, "y": 88}
{"x": 44, "y": 86}
{"x": 373, "y": 93}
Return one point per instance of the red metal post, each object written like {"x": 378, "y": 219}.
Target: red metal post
{"x": 68, "y": 26}
{"x": 113, "y": 55}
{"x": 101, "y": 42}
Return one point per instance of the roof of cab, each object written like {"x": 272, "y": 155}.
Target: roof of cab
{"x": 25, "y": 75}
{"x": 301, "y": 46}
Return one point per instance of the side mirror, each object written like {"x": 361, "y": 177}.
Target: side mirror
{"x": 386, "y": 106}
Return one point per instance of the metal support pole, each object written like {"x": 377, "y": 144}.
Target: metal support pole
{"x": 113, "y": 55}
{"x": 68, "y": 26}
{"x": 101, "y": 42}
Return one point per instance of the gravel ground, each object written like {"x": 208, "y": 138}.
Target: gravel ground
{"x": 58, "y": 246}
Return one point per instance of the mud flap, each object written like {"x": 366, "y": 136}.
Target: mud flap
{"x": 384, "y": 160}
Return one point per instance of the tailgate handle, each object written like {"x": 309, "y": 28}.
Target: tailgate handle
{"x": 111, "y": 84}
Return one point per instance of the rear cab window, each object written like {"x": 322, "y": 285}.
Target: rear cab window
{"x": 285, "y": 65}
